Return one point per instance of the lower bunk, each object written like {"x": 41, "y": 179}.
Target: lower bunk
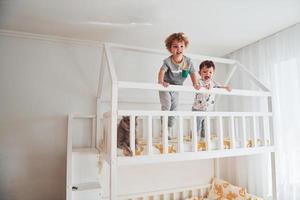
{"x": 218, "y": 189}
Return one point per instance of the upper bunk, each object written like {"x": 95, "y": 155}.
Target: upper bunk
{"x": 128, "y": 87}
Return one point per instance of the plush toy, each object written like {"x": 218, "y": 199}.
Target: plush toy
{"x": 226, "y": 143}
{"x": 218, "y": 190}
{"x": 249, "y": 143}
{"x": 171, "y": 148}
{"x": 201, "y": 146}
{"x": 231, "y": 196}
{"x": 140, "y": 150}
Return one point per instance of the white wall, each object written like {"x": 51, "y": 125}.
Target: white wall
{"x": 40, "y": 83}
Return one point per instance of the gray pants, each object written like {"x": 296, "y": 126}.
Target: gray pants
{"x": 200, "y": 125}
{"x": 169, "y": 102}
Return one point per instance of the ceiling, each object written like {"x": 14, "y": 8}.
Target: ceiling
{"x": 214, "y": 27}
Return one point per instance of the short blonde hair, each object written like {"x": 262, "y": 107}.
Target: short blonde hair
{"x": 176, "y": 36}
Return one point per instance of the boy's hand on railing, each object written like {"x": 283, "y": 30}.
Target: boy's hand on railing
{"x": 197, "y": 86}
{"x": 165, "y": 84}
{"x": 228, "y": 88}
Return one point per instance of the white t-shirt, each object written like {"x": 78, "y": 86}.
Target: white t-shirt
{"x": 205, "y": 102}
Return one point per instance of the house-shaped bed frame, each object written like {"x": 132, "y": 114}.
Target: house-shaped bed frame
{"x": 109, "y": 123}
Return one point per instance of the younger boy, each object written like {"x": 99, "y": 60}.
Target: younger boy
{"x": 174, "y": 71}
{"x": 205, "y": 102}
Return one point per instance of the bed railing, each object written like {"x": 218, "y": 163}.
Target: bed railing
{"x": 174, "y": 194}
{"x": 239, "y": 133}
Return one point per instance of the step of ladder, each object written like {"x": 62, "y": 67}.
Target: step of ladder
{"x": 86, "y": 191}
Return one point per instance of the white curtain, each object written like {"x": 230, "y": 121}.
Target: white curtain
{"x": 276, "y": 62}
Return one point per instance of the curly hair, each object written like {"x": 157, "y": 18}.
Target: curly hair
{"x": 208, "y": 64}
{"x": 176, "y": 36}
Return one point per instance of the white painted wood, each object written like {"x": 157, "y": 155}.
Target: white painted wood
{"x": 93, "y": 138}
{"x": 69, "y": 159}
{"x": 189, "y": 113}
{"x": 255, "y": 130}
{"x": 217, "y": 167}
{"x": 111, "y": 67}
{"x": 165, "y": 196}
{"x": 194, "y": 134}
{"x": 113, "y": 143}
{"x": 156, "y": 198}
{"x": 90, "y": 186}
{"x": 221, "y": 137}
{"x": 99, "y": 125}
{"x": 85, "y": 150}
{"x": 158, "y": 193}
{"x": 266, "y": 133}
{"x": 180, "y": 147}
{"x": 153, "y": 51}
{"x": 207, "y": 132}
{"x": 165, "y": 134}
{"x": 101, "y": 76}
{"x": 244, "y": 132}
{"x": 253, "y": 77}
{"x": 82, "y": 116}
{"x": 184, "y": 194}
{"x": 113, "y": 137}
{"x": 232, "y": 132}
{"x": 162, "y": 158}
{"x": 233, "y": 70}
{"x": 132, "y": 134}
{"x": 149, "y": 146}
{"x": 274, "y": 159}
{"x": 151, "y": 86}
{"x": 274, "y": 175}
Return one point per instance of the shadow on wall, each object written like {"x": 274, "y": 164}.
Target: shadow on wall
{"x": 32, "y": 158}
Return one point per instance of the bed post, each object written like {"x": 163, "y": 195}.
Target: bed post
{"x": 273, "y": 154}
{"x": 113, "y": 156}
{"x": 113, "y": 124}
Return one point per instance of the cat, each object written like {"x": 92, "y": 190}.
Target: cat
{"x": 123, "y": 134}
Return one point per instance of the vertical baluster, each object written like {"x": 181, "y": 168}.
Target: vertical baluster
{"x": 232, "y": 134}
{"x": 155, "y": 197}
{"x": 172, "y": 195}
{"x": 254, "y": 131}
{"x": 175, "y": 195}
{"x": 266, "y": 133}
{"x": 221, "y": 144}
{"x": 165, "y": 196}
{"x": 194, "y": 137}
{"x": 93, "y": 132}
{"x": 165, "y": 134}
{"x": 132, "y": 134}
{"x": 181, "y": 147}
{"x": 192, "y": 193}
{"x": 198, "y": 193}
{"x": 244, "y": 133}
{"x": 207, "y": 132}
{"x": 202, "y": 191}
{"x": 150, "y": 149}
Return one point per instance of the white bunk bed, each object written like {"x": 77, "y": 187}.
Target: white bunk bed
{"x": 186, "y": 144}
